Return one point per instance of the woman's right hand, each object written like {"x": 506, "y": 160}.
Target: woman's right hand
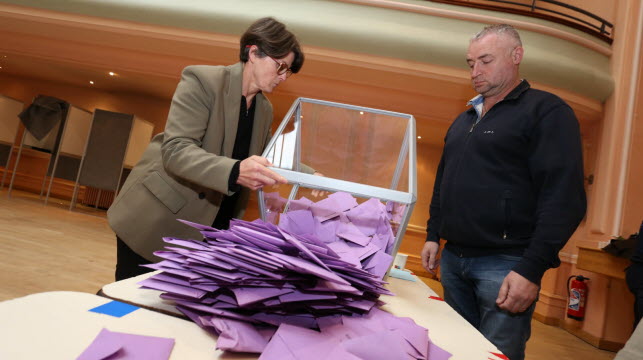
{"x": 254, "y": 173}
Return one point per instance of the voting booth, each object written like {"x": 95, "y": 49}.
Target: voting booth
{"x": 67, "y": 158}
{"x": 9, "y": 123}
{"x": 55, "y": 127}
{"x": 365, "y": 152}
{"x": 116, "y": 142}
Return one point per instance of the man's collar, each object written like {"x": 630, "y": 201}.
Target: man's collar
{"x": 514, "y": 94}
{"x": 518, "y": 90}
{"x": 478, "y": 99}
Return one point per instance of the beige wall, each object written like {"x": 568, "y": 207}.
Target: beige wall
{"x": 633, "y": 214}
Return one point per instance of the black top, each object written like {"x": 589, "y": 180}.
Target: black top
{"x": 511, "y": 184}
{"x": 240, "y": 151}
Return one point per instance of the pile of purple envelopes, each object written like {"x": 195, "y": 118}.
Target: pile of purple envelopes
{"x": 314, "y": 279}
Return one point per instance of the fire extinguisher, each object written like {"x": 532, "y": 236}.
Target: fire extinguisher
{"x": 577, "y": 294}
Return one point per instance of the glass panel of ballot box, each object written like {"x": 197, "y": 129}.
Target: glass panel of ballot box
{"x": 365, "y": 152}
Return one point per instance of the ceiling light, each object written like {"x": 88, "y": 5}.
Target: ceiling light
{"x": 111, "y": 73}
{"x": 91, "y": 82}
{"x": 361, "y": 113}
{"x": 419, "y": 137}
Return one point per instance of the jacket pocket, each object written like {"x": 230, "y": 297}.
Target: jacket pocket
{"x": 172, "y": 199}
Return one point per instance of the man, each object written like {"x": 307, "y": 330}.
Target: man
{"x": 508, "y": 194}
{"x": 203, "y": 165}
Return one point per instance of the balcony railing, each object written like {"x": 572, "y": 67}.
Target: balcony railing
{"x": 556, "y": 11}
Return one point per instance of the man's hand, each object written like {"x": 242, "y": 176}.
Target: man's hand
{"x": 254, "y": 173}
{"x": 430, "y": 256}
{"x": 516, "y": 293}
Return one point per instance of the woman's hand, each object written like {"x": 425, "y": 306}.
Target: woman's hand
{"x": 254, "y": 173}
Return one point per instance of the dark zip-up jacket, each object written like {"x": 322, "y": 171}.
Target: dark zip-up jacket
{"x": 512, "y": 183}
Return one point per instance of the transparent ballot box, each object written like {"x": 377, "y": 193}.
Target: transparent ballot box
{"x": 365, "y": 173}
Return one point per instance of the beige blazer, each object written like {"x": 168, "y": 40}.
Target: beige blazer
{"x": 184, "y": 171}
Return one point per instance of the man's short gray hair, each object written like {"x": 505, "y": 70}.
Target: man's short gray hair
{"x": 499, "y": 29}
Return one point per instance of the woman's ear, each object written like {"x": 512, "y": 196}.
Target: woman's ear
{"x": 252, "y": 53}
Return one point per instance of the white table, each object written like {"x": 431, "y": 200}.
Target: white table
{"x": 446, "y": 327}
{"x": 58, "y": 325}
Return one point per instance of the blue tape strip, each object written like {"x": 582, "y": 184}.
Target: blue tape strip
{"x": 114, "y": 308}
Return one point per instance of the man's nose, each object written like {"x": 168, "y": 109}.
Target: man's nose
{"x": 475, "y": 70}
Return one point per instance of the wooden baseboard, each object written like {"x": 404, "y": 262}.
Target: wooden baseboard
{"x": 547, "y": 320}
{"x": 60, "y": 188}
{"x": 575, "y": 329}
{"x": 610, "y": 345}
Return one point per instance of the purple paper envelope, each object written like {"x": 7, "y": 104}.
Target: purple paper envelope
{"x": 122, "y": 346}
{"x": 350, "y": 232}
{"x": 240, "y": 336}
{"x": 301, "y": 204}
{"x": 298, "y": 222}
{"x": 295, "y": 343}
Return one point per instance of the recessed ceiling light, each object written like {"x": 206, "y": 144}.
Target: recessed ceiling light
{"x": 91, "y": 82}
{"x": 419, "y": 137}
{"x": 361, "y": 113}
{"x": 111, "y": 73}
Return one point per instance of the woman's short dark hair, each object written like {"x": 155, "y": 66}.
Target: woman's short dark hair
{"x": 273, "y": 39}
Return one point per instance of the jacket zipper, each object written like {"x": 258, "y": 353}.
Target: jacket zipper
{"x": 465, "y": 148}
{"x": 473, "y": 126}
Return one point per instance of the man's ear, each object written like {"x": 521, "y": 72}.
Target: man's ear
{"x": 517, "y": 54}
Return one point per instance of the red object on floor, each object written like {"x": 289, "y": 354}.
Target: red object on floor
{"x": 502, "y": 356}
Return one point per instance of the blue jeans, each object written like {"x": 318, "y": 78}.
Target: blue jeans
{"x": 471, "y": 287}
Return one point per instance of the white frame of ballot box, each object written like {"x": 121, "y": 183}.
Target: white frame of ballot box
{"x": 299, "y": 179}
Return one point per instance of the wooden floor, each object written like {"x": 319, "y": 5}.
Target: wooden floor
{"x": 48, "y": 248}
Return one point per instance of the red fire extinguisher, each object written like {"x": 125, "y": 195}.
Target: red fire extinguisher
{"x": 577, "y": 293}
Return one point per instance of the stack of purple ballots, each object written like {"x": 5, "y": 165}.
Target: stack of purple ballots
{"x": 324, "y": 261}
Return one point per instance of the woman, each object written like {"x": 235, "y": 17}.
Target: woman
{"x": 203, "y": 165}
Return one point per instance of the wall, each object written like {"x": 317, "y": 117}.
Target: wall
{"x": 633, "y": 214}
